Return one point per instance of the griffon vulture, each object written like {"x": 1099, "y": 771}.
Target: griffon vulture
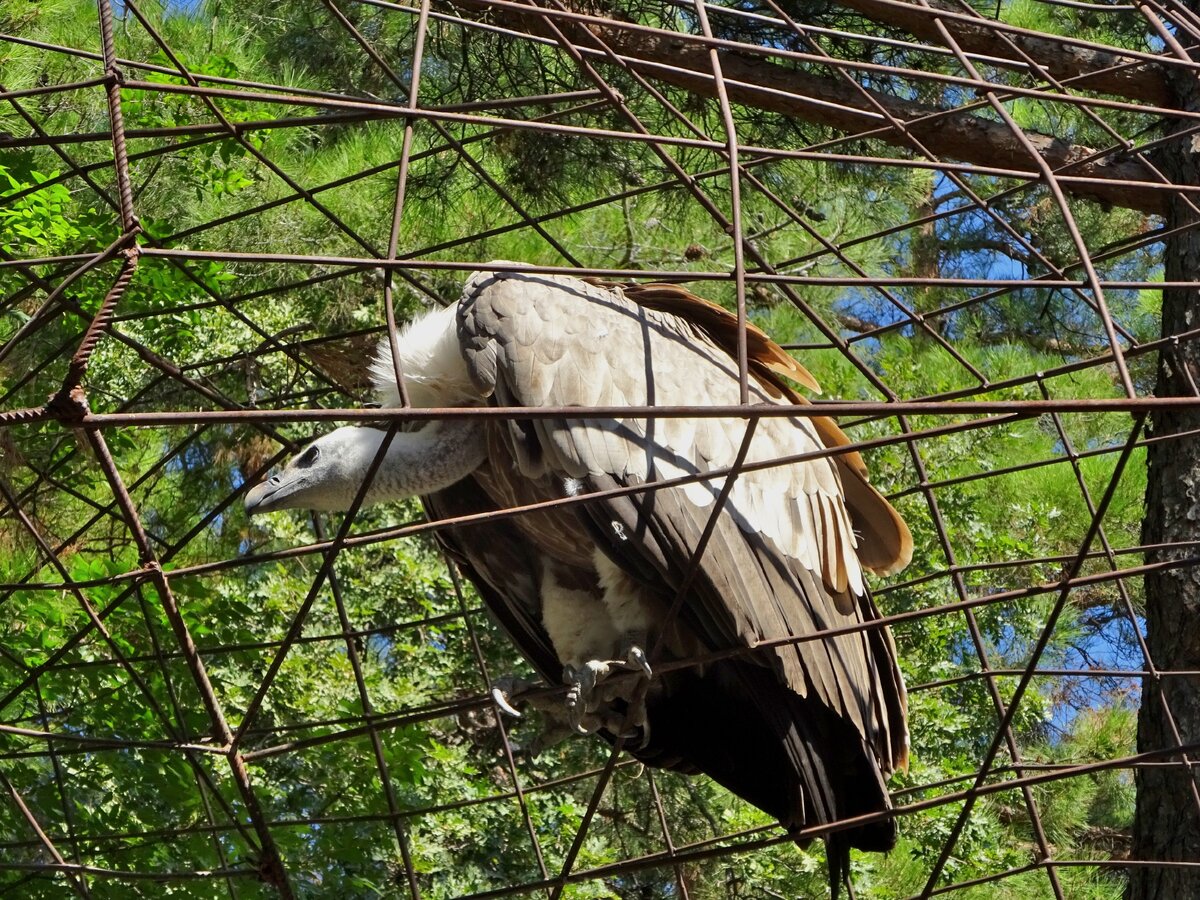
{"x": 805, "y": 731}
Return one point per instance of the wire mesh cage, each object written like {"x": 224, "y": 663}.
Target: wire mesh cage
{"x": 963, "y": 220}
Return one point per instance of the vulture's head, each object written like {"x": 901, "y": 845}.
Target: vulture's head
{"x": 325, "y": 475}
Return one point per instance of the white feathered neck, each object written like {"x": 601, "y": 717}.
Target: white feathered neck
{"x": 434, "y": 369}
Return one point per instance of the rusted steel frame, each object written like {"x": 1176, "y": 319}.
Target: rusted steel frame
{"x": 680, "y": 881}
{"x": 7, "y": 95}
{"x": 1127, "y": 603}
{"x": 139, "y": 576}
{"x": 990, "y": 878}
{"x": 1019, "y": 563}
{"x": 563, "y": 15}
{"x": 1129, "y": 246}
{"x": 395, "y": 111}
{"x": 97, "y": 624}
{"x": 441, "y": 710}
{"x": 1185, "y": 18}
{"x": 1003, "y": 716}
{"x": 308, "y": 821}
{"x": 223, "y": 649}
{"x": 466, "y": 520}
{"x": 1020, "y": 870}
{"x": 209, "y": 131}
{"x": 113, "y": 78}
{"x": 1093, "y": 7}
{"x": 913, "y": 46}
{"x": 104, "y": 510}
{"x": 497, "y": 103}
{"x": 104, "y": 196}
{"x": 240, "y": 138}
{"x": 90, "y": 743}
{"x": 171, "y": 371}
{"x": 1005, "y": 27}
{"x": 770, "y": 152}
{"x": 1036, "y": 464}
{"x": 1169, "y": 40}
{"x": 1132, "y": 863}
{"x": 43, "y": 478}
{"x": 264, "y": 160}
{"x": 382, "y": 721}
{"x": 91, "y": 336}
{"x": 1173, "y": 8}
{"x": 1032, "y": 766}
{"x": 640, "y": 129}
{"x": 1107, "y": 674}
{"x": 271, "y": 863}
{"x": 364, "y": 699}
{"x": 733, "y": 155}
{"x": 1058, "y": 371}
{"x": 689, "y": 182}
{"x": 764, "y": 276}
{"x": 913, "y": 316}
{"x": 389, "y": 310}
{"x": 68, "y": 869}
{"x": 212, "y": 131}
{"x": 205, "y": 131}
{"x": 832, "y": 408}
{"x": 706, "y": 851}
{"x": 977, "y": 203}
{"x": 71, "y": 642}
{"x": 685, "y": 4}
{"x": 89, "y": 168}
{"x": 330, "y": 552}
{"x": 1048, "y": 175}
{"x": 1035, "y": 656}
{"x": 60, "y": 784}
{"x": 26, "y": 492}
{"x": 203, "y": 780}
{"x": 406, "y": 149}
{"x": 803, "y": 223}
{"x": 557, "y": 884}
{"x": 518, "y": 792}
{"x": 43, "y": 314}
{"x": 1043, "y": 72}
{"x": 452, "y": 143}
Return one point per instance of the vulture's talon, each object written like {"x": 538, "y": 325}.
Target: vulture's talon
{"x": 506, "y": 691}
{"x": 501, "y": 700}
{"x": 581, "y": 700}
{"x": 635, "y": 658}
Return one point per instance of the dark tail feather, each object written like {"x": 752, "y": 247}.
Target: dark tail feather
{"x": 791, "y": 757}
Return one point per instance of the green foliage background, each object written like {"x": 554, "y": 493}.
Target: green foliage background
{"x": 154, "y": 805}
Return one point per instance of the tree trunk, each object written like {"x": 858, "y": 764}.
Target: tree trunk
{"x": 1167, "y": 820}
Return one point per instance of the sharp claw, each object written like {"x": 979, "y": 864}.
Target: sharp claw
{"x": 501, "y": 701}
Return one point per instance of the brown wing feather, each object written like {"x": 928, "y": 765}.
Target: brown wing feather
{"x": 720, "y": 326}
{"x": 885, "y": 545}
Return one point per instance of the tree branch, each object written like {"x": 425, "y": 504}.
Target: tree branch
{"x": 751, "y": 81}
{"x": 1112, "y": 72}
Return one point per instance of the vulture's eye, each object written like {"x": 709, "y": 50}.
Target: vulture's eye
{"x": 310, "y": 456}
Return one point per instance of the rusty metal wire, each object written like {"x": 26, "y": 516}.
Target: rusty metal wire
{"x": 73, "y": 303}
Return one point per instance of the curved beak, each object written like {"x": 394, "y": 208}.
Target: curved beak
{"x": 267, "y": 496}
